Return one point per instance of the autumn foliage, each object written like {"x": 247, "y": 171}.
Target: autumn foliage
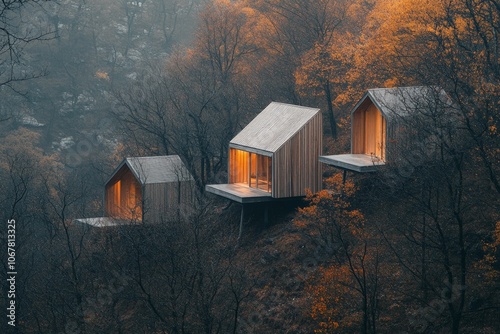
{"x": 345, "y": 289}
{"x": 420, "y": 253}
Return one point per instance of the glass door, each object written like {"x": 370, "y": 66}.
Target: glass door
{"x": 260, "y": 172}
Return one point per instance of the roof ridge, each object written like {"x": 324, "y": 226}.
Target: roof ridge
{"x": 295, "y": 105}
{"x": 154, "y": 156}
{"x": 273, "y": 126}
{"x": 403, "y": 87}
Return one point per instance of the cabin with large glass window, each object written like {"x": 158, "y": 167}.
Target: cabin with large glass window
{"x": 150, "y": 189}
{"x": 275, "y": 156}
{"x": 379, "y": 124}
{"x": 146, "y": 190}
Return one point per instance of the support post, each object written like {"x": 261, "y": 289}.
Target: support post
{"x": 266, "y": 214}
{"x": 344, "y": 177}
{"x": 241, "y": 221}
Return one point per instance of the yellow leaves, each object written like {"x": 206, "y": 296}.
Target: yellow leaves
{"x": 493, "y": 129}
{"x": 102, "y": 75}
{"x": 336, "y": 185}
{"x": 302, "y": 221}
{"x": 401, "y": 34}
{"x": 22, "y": 145}
{"x": 324, "y": 63}
{"x": 327, "y": 326}
{"x": 329, "y": 45}
{"x": 117, "y": 155}
{"x": 497, "y": 234}
{"x": 332, "y": 300}
{"x": 227, "y": 38}
{"x": 20, "y": 154}
{"x": 249, "y": 11}
{"x": 461, "y": 25}
{"x": 396, "y": 35}
{"x": 329, "y": 210}
{"x": 190, "y": 54}
{"x": 226, "y": 3}
{"x": 391, "y": 82}
{"x": 490, "y": 261}
{"x": 308, "y": 211}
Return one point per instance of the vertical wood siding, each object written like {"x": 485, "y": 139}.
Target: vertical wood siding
{"x": 358, "y": 132}
{"x": 390, "y": 148}
{"x": 368, "y": 131}
{"x": 165, "y": 202}
{"x": 295, "y": 165}
{"x": 125, "y": 198}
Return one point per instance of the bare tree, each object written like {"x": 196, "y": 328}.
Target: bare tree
{"x": 195, "y": 106}
{"x": 18, "y": 27}
{"x": 344, "y": 245}
{"x": 183, "y": 281}
{"x": 435, "y": 174}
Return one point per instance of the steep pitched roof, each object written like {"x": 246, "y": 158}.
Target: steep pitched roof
{"x": 159, "y": 169}
{"x": 402, "y": 101}
{"x": 273, "y": 127}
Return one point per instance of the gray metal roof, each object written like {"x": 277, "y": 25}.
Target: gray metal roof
{"x": 402, "y": 101}
{"x": 273, "y": 127}
{"x": 160, "y": 169}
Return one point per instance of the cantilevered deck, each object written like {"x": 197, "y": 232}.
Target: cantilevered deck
{"x": 361, "y": 163}
{"x": 239, "y": 192}
{"x": 104, "y": 222}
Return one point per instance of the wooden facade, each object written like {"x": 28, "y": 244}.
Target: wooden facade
{"x": 296, "y": 166}
{"x": 149, "y": 189}
{"x": 380, "y": 125}
{"x": 379, "y": 119}
{"x": 277, "y": 153}
{"x": 368, "y": 131}
{"x": 123, "y": 198}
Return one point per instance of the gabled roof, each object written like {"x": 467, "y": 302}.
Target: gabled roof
{"x": 160, "y": 169}
{"x": 273, "y": 127}
{"x": 402, "y": 101}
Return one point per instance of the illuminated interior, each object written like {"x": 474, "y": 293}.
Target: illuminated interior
{"x": 124, "y": 197}
{"x": 260, "y": 172}
{"x": 251, "y": 168}
{"x": 369, "y": 132}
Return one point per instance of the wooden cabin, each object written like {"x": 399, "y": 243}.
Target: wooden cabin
{"x": 275, "y": 156}
{"x": 150, "y": 189}
{"x": 377, "y": 123}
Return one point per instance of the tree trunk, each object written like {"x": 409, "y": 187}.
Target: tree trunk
{"x": 364, "y": 328}
{"x": 331, "y": 115}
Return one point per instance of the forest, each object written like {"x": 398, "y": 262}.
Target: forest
{"x": 412, "y": 248}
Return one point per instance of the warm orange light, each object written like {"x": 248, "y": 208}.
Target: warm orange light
{"x": 238, "y": 166}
